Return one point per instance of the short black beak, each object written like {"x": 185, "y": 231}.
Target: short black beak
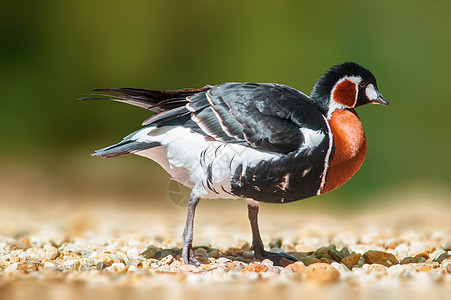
{"x": 380, "y": 99}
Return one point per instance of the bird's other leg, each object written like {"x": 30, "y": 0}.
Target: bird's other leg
{"x": 187, "y": 251}
{"x": 279, "y": 259}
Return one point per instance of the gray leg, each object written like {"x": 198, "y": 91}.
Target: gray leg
{"x": 257, "y": 243}
{"x": 279, "y": 259}
{"x": 187, "y": 251}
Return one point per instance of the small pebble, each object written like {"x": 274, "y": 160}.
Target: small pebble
{"x": 203, "y": 259}
{"x": 375, "y": 269}
{"x": 326, "y": 260}
{"x": 246, "y": 246}
{"x": 340, "y": 267}
{"x": 297, "y": 267}
{"x": 213, "y": 252}
{"x": 200, "y": 252}
{"x": 71, "y": 264}
{"x": 19, "y": 246}
{"x": 442, "y": 256}
{"x": 345, "y": 252}
{"x": 248, "y": 255}
{"x": 49, "y": 265}
{"x": 166, "y": 260}
{"x": 408, "y": 260}
{"x": 188, "y": 268}
{"x": 106, "y": 259}
{"x": 150, "y": 252}
{"x": 223, "y": 260}
{"x": 135, "y": 263}
{"x": 28, "y": 267}
{"x": 447, "y": 246}
{"x": 50, "y": 253}
{"x": 166, "y": 252}
{"x": 335, "y": 254}
{"x": 380, "y": 257}
{"x": 84, "y": 253}
{"x": 420, "y": 255}
{"x": 230, "y": 252}
{"x": 267, "y": 262}
{"x": 351, "y": 260}
{"x": 308, "y": 260}
{"x": 175, "y": 264}
{"x": 321, "y": 272}
{"x": 118, "y": 267}
{"x": 245, "y": 260}
{"x": 275, "y": 269}
{"x": 101, "y": 265}
{"x": 298, "y": 255}
{"x": 133, "y": 254}
{"x": 119, "y": 260}
{"x": 237, "y": 268}
{"x": 321, "y": 252}
{"x": 164, "y": 268}
{"x": 258, "y": 268}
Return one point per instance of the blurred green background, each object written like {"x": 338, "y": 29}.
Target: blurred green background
{"x": 53, "y": 52}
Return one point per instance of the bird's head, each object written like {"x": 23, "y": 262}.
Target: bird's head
{"x": 346, "y": 86}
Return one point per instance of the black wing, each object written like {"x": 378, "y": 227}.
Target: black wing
{"x": 261, "y": 115}
{"x": 265, "y": 116}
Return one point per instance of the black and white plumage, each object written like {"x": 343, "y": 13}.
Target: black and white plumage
{"x": 260, "y": 141}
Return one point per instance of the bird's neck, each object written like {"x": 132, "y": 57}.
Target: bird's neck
{"x": 350, "y": 148}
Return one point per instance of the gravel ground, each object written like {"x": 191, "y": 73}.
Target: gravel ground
{"x": 116, "y": 252}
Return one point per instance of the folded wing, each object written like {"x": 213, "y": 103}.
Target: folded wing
{"x": 260, "y": 115}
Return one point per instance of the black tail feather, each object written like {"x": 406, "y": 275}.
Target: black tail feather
{"x": 167, "y": 115}
{"x": 125, "y": 147}
{"x": 154, "y": 100}
{"x": 168, "y": 104}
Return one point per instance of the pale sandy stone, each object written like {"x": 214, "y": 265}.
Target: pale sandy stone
{"x": 267, "y": 262}
{"x": 50, "y": 253}
{"x": 28, "y": 267}
{"x": 118, "y": 267}
{"x": 322, "y": 272}
{"x": 297, "y": 267}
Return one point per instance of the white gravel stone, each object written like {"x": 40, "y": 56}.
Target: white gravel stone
{"x": 133, "y": 253}
{"x": 50, "y": 253}
{"x": 71, "y": 264}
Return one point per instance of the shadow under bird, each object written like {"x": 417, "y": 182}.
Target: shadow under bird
{"x": 264, "y": 142}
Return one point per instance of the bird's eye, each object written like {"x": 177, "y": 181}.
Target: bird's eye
{"x": 362, "y": 84}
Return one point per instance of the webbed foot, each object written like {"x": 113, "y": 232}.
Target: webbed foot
{"x": 279, "y": 259}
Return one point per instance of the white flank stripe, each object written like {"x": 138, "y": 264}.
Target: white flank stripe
{"x": 327, "y": 158}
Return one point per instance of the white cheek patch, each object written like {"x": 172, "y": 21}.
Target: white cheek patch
{"x": 370, "y": 92}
